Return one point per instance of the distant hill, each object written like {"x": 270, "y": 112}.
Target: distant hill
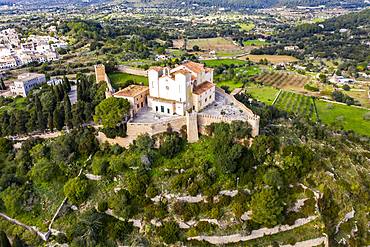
{"x": 217, "y": 3}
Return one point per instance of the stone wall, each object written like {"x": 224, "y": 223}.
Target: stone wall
{"x": 132, "y": 71}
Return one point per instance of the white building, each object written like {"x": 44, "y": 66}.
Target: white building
{"x": 8, "y": 62}
{"x": 25, "y": 82}
{"x": 185, "y": 88}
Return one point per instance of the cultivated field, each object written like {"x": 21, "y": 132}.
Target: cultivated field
{"x": 344, "y": 116}
{"x": 265, "y": 94}
{"x": 218, "y": 62}
{"x": 255, "y": 42}
{"x": 271, "y": 58}
{"x": 298, "y": 104}
{"x": 222, "y": 46}
{"x": 283, "y": 80}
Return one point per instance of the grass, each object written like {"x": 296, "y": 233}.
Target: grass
{"x": 361, "y": 96}
{"x": 271, "y": 58}
{"x": 247, "y": 26}
{"x": 264, "y": 94}
{"x": 119, "y": 79}
{"x": 343, "y": 116}
{"x": 249, "y": 71}
{"x": 255, "y": 42}
{"x": 231, "y": 84}
{"x": 218, "y": 62}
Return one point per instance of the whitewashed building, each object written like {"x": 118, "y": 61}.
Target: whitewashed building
{"x": 25, "y": 82}
{"x": 188, "y": 87}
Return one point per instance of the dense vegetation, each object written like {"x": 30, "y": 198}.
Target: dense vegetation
{"x": 266, "y": 174}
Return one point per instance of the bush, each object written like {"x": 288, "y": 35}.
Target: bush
{"x": 151, "y": 191}
{"x": 102, "y": 206}
{"x": 99, "y": 165}
{"x": 170, "y": 232}
{"x": 346, "y": 87}
{"x": 76, "y": 190}
{"x": 311, "y": 88}
{"x": 119, "y": 131}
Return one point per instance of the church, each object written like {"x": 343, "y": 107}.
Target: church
{"x": 188, "y": 87}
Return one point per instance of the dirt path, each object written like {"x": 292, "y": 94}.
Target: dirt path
{"x": 235, "y": 238}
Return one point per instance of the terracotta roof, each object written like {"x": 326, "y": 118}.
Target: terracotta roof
{"x": 131, "y": 91}
{"x": 156, "y": 68}
{"x": 205, "y": 86}
{"x": 181, "y": 71}
{"x": 194, "y": 67}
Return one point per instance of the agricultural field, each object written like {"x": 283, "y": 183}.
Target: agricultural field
{"x": 222, "y": 46}
{"x": 361, "y": 96}
{"x": 218, "y": 62}
{"x": 283, "y": 80}
{"x": 255, "y": 42}
{"x": 275, "y": 59}
{"x": 247, "y": 26}
{"x": 119, "y": 80}
{"x": 298, "y": 104}
{"x": 265, "y": 94}
{"x": 344, "y": 116}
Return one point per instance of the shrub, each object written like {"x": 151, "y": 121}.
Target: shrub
{"x": 77, "y": 190}
{"x": 102, "y": 206}
{"x": 311, "y": 88}
{"x": 170, "y": 232}
{"x": 99, "y": 165}
{"x": 346, "y": 87}
{"x": 151, "y": 191}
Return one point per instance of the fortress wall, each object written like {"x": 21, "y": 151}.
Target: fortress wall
{"x": 132, "y": 71}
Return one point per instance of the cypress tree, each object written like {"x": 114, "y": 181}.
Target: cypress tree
{"x": 41, "y": 121}
{"x": 67, "y": 111}
{"x": 50, "y": 122}
{"x": 4, "y": 241}
{"x": 17, "y": 242}
{"x": 2, "y": 84}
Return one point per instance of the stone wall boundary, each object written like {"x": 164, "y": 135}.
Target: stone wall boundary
{"x": 132, "y": 70}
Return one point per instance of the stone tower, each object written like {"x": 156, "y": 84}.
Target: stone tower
{"x": 192, "y": 127}
{"x": 100, "y": 73}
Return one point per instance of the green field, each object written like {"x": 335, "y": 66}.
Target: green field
{"x": 343, "y": 116}
{"x": 247, "y": 26}
{"x": 218, "y": 62}
{"x": 235, "y": 83}
{"x": 119, "y": 80}
{"x": 296, "y": 103}
{"x": 255, "y": 42}
{"x": 263, "y": 93}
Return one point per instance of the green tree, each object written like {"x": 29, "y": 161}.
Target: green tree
{"x": 170, "y": 232}
{"x": 17, "y": 242}
{"x": 5, "y": 145}
{"x": 267, "y": 207}
{"x": 111, "y": 111}
{"x": 67, "y": 112}
{"x": 76, "y": 190}
{"x": 4, "y": 241}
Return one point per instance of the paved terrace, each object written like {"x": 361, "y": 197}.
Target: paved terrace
{"x": 221, "y": 107}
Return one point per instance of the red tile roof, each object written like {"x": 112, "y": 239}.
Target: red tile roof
{"x": 194, "y": 67}
{"x": 132, "y": 91}
{"x": 205, "y": 86}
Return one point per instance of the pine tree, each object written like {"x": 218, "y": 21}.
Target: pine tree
{"x": 4, "y": 241}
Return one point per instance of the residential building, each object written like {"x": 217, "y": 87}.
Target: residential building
{"x": 25, "y": 82}
{"x": 136, "y": 95}
{"x": 188, "y": 87}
